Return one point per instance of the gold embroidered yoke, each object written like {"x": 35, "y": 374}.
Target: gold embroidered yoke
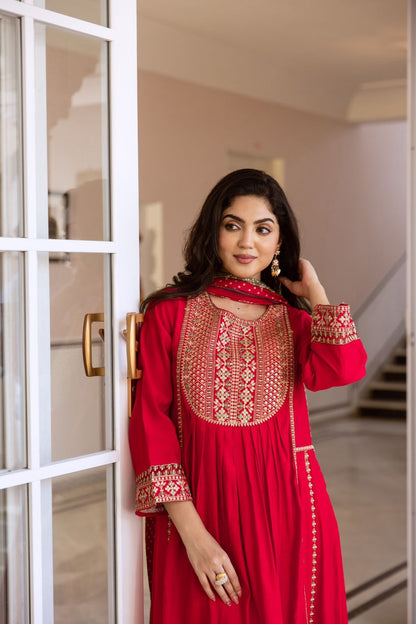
{"x": 234, "y": 372}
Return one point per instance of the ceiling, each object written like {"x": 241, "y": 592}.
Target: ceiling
{"x": 341, "y": 58}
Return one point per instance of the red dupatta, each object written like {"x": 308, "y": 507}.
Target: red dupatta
{"x": 244, "y": 291}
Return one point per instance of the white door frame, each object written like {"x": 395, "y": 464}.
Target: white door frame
{"x": 124, "y": 249}
{"x": 125, "y": 203}
{"x": 411, "y": 316}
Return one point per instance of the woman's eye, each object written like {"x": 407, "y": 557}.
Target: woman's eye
{"x": 231, "y": 226}
{"x": 263, "y": 230}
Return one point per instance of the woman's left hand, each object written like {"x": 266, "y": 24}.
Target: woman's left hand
{"x": 308, "y": 286}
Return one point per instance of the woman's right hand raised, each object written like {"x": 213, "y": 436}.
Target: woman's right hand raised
{"x": 205, "y": 554}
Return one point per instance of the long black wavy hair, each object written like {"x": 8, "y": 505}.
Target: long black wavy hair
{"x": 202, "y": 261}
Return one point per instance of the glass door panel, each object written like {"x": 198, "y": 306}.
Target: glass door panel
{"x": 76, "y": 94}
{"x": 12, "y": 363}
{"x": 66, "y": 482}
{"x": 11, "y": 210}
{"x": 82, "y": 547}
{"x": 78, "y": 415}
{"x": 13, "y": 556}
{"x": 88, "y": 10}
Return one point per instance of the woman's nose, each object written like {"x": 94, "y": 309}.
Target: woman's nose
{"x": 246, "y": 239}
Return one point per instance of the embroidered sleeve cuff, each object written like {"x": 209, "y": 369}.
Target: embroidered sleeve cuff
{"x": 161, "y": 484}
{"x": 332, "y": 324}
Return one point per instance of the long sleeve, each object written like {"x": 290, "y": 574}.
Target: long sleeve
{"x": 329, "y": 351}
{"x": 154, "y": 443}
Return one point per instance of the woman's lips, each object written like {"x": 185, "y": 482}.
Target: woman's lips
{"x": 244, "y": 259}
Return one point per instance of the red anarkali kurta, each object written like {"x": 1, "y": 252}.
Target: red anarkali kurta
{"x": 220, "y": 418}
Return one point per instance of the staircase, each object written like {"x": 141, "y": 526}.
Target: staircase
{"x": 386, "y": 395}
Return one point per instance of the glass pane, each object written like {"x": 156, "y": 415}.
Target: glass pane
{"x": 88, "y": 10}
{"x": 82, "y": 541}
{"x": 12, "y": 363}
{"x": 11, "y": 221}
{"x": 77, "y": 402}
{"x": 76, "y": 198}
{"x": 14, "y": 603}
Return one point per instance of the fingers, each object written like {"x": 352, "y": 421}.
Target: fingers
{"x": 206, "y": 586}
{"x": 231, "y": 589}
{"x": 285, "y": 281}
{"x": 307, "y": 271}
{"x": 307, "y": 282}
{"x": 224, "y": 596}
{"x": 291, "y": 286}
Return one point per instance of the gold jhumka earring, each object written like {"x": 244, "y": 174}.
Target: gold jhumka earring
{"x": 275, "y": 267}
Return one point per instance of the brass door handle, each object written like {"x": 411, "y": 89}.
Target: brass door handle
{"x": 90, "y": 370}
{"x": 133, "y": 325}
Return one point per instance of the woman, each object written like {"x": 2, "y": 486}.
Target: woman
{"x": 242, "y": 530}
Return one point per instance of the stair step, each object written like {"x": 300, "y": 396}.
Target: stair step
{"x": 397, "y": 386}
{"x": 382, "y": 405}
{"x": 386, "y": 396}
{"x": 395, "y": 368}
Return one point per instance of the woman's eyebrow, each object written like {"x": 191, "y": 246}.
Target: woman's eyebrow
{"x": 266, "y": 219}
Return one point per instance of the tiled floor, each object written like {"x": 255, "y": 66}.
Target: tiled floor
{"x": 364, "y": 463}
{"x": 365, "y": 469}
{"x": 391, "y": 611}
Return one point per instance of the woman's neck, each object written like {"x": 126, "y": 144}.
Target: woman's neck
{"x": 245, "y": 311}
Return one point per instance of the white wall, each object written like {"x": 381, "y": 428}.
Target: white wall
{"x": 346, "y": 183}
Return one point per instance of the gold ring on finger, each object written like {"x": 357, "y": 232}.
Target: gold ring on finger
{"x": 220, "y": 578}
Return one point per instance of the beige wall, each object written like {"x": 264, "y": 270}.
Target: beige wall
{"x": 346, "y": 183}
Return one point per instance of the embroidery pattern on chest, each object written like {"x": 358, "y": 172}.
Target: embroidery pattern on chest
{"x": 234, "y": 372}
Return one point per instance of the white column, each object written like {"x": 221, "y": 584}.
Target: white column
{"x": 411, "y": 313}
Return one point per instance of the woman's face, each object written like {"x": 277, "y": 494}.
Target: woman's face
{"x": 248, "y": 237}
